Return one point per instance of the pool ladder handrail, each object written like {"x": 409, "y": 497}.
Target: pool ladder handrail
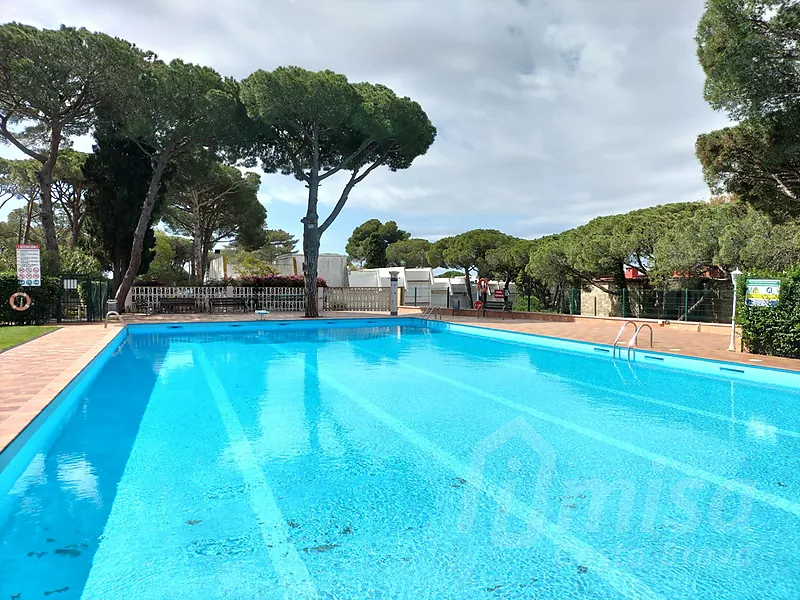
{"x": 430, "y": 312}
{"x": 619, "y": 335}
{"x": 113, "y": 313}
{"x": 635, "y": 339}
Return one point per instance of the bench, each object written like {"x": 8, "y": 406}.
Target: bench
{"x": 177, "y": 305}
{"x": 227, "y": 303}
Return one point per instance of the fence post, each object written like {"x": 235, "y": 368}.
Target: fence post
{"x": 624, "y": 303}
{"x": 448, "y": 297}
{"x": 415, "y": 295}
{"x": 686, "y": 305}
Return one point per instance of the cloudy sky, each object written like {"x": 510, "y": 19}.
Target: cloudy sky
{"x": 549, "y": 112}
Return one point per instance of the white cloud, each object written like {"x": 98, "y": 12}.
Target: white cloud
{"x": 549, "y": 112}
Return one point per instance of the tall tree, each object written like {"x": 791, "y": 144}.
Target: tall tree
{"x": 24, "y": 186}
{"x": 507, "y": 261}
{"x": 212, "y": 203}
{"x": 725, "y": 236}
{"x": 375, "y": 252}
{"x": 168, "y": 262}
{"x": 315, "y": 125}
{"x": 277, "y": 242}
{"x": 6, "y": 186}
{"x": 467, "y": 251}
{"x": 51, "y": 82}
{"x": 69, "y": 190}
{"x": 749, "y": 51}
{"x": 408, "y": 253}
{"x": 177, "y": 109}
{"x": 389, "y": 232}
{"x": 117, "y": 175}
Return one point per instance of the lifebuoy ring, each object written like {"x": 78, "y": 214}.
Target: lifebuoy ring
{"x": 483, "y": 284}
{"x": 20, "y": 307}
{"x": 478, "y": 305}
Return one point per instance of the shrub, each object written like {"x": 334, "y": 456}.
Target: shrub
{"x": 43, "y": 300}
{"x": 289, "y": 281}
{"x": 774, "y": 331}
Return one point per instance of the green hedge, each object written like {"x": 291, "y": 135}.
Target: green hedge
{"x": 43, "y": 300}
{"x": 772, "y": 331}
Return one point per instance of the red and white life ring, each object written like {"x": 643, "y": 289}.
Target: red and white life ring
{"x": 20, "y": 307}
{"x": 483, "y": 284}
{"x": 478, "y": 305}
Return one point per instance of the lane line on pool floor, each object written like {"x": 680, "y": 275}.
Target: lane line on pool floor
{"x": 731, "y": 485}
{"x": 291, "y": 569}
{"x": 624, "y": 394}
{"x": 623, "y": 582}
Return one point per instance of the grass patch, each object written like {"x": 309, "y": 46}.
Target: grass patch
{"x": 14, "y": 335}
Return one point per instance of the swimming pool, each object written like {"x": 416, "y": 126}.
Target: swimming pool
{"x": 394, "y": 459}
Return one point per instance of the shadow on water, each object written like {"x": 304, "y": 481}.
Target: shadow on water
{"x": 60, "y": 505}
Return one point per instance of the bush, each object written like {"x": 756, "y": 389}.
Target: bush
{"x": 287, "y": 281}
{"x": 767, "y": 330}
{"x": 43, "y": 300}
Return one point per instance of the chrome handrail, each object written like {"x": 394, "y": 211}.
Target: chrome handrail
{"x": 635, "y": 339}
{"x": 619, "y": 335}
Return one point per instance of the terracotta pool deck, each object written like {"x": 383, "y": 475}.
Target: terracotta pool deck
{"x": 33, "y": 374}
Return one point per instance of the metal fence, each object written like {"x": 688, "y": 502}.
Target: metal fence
{"x": 691, "y": 305}
{"x": 81, "y": 298}
{"x": 708, "y": 306}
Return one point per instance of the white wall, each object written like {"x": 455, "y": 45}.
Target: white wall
{"x": 332, "y": 267}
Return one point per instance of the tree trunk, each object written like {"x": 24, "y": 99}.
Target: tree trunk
{"x": 469, "y": 288}
{"x": 311, "y": 253}
{"x": 45, "y": 177}
{"x": 197, "y": 245}
{"x": 76, "y": 222}
{"x": 141, "y": 229}
{"x": 206, "y": 252}
{"x": 26, "y": 235}
{"x": 311, "y": 235}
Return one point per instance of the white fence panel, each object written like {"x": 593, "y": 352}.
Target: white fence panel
{"x": 273, "y": 299}
{"x": 147, "y": 299}
{"x": 360, "y": 298}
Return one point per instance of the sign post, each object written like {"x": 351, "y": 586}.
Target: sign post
{"x": 393, "y": 293}
{"x": 29, "y": 266}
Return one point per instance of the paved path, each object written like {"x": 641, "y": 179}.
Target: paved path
{"x": 675, "y": 341}
{"x": 32, "y": 375}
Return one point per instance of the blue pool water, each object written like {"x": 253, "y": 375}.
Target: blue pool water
{"x": 392, "y": 460}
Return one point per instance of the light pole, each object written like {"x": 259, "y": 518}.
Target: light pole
{"x": 734, "y": 277}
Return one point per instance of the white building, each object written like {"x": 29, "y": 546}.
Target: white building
{"x": 331, "y": 267}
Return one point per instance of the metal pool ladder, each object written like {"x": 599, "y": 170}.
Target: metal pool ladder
{"x": 430, "y": 313}
{"x": 635, "y": 339}
{"x": 619, "y": 335}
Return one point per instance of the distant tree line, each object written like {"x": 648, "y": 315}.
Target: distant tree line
{"x": 673, "y": 245}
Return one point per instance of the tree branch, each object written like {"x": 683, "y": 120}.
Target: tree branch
{"x": 355, "y": 178}
{"x": 346, "y": 162}
{"x": 19, "y": 145}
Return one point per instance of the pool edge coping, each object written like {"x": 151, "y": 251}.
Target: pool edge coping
{"x": 25, "y": 415}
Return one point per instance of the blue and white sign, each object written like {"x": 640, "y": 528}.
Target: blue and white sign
{"x": 762, "y": 292}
